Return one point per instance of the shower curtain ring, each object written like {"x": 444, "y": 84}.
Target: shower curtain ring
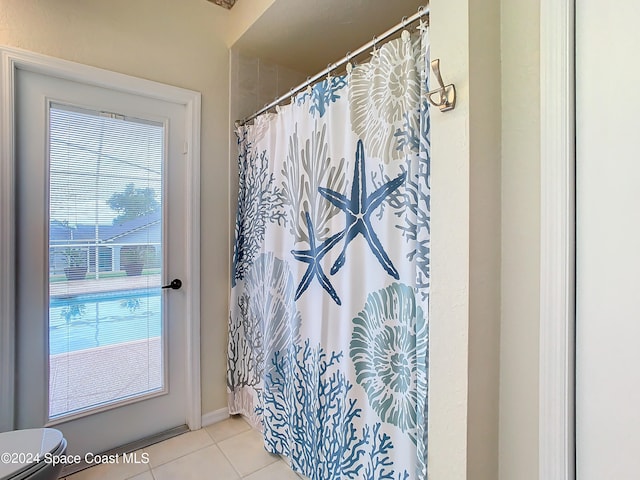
{"x": 329, "y": 65}
{"x": 404, "y": 21}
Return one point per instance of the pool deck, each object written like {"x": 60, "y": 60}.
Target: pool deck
{"x": 97, "y": 376}
{"x": 88, "y": 286}
{"x": 102, "y": 375}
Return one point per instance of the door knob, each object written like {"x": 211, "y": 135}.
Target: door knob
{"x": 175, "y": 284}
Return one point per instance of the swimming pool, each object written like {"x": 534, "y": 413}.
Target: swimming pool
{"x": 95, "y": 320}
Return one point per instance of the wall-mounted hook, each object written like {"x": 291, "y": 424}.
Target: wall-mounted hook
{"x": 447, "y": 100}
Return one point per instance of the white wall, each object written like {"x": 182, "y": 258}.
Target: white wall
{"x": 608, "y": 241}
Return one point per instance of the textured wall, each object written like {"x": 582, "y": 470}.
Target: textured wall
{"x": 256, "y": 82}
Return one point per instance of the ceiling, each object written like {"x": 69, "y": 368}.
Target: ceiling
{"x": 307, "y": 35}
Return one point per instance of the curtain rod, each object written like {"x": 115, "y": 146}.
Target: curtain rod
{"x": 422, "y": 11}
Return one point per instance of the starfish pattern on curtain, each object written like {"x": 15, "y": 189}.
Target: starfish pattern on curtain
{"x": 358, "y": 210}
{"x": 313, "y": 257}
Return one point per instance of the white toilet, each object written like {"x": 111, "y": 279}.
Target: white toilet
{"x": 27, "y": 454}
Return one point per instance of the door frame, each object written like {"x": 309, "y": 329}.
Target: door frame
{"x": 13, "y": 59}
{"x": 557, "y": 241}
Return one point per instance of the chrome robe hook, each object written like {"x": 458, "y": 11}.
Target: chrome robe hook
{"x": 447, "y": 93}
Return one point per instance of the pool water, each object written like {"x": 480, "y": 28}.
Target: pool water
{"x": 96, "y": 320}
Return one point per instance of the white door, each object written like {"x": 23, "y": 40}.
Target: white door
{"x": 608, "y": 240}
{"x": 100, "y": 227}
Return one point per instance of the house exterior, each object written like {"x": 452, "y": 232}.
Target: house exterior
{"x": 82, "y": 240}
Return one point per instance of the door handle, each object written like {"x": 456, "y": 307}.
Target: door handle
{"x": 175, "y": 284}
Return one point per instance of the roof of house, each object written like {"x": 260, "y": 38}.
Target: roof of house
{"x": 58, "y": 232}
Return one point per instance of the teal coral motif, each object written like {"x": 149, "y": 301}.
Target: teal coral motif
{"x": 259, "y": 202}
{"x": 311, "y": 416}
{"x": 323, "y": 94}
{"x": 389, "y": 352}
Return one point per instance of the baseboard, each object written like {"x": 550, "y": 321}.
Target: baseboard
{"x": 72, "y": 468}
{"x": 216, "y": 416}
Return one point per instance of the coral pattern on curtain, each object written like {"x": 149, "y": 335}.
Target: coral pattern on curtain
{"x": 328, "y": 329}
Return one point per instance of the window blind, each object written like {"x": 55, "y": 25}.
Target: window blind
{"x": 105, "y": 258}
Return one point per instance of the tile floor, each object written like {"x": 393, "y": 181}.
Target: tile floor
{"x": 228, "y": 450}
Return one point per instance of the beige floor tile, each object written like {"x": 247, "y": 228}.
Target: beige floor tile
{"x": 287, "y": 462}
{"x": 206, "y": 463}
{"x": 120, "y": 471}
{"x": 227, "y": 428}
{"x": 176, "y": 447}
{"x": 275, "y": 471}
{"x": 143, "y": 476}
{"x": 246, "y": 452}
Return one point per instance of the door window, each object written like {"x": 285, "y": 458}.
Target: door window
{"x": 105, "y": 259}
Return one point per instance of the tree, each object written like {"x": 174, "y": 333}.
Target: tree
{"x": 132, "y": 203}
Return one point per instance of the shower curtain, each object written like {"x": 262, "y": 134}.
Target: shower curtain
{"x": 328, "y": 328}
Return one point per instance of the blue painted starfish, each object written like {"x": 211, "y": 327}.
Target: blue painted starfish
{"x": 359, "y": 208}
{"x": 313, "y": 257}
